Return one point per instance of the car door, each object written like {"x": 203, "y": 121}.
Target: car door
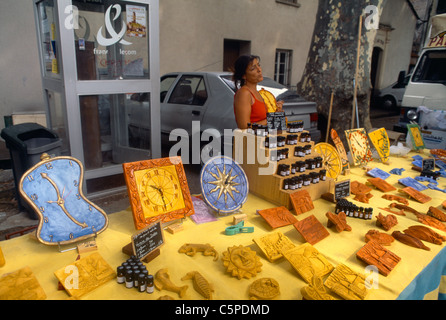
{"x": 183, "y": 103}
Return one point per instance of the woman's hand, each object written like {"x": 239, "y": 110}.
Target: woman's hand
{"x": 279, "y": 105}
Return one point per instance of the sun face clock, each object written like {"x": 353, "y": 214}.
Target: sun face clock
{"x": 224, "y": 184}
{"x": 53, "y": 188}
{"x": 380, "y": 140}
{"x": 158, "y": 190}
{"x": 359, "y": 146}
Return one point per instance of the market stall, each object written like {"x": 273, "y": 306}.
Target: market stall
{"x": 217, "y": 247}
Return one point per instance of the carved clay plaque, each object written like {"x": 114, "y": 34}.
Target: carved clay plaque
{"x": 311, "y": 229}
{"x": 272, "y": 245}
{"x": 316, "y": 290}
{"x": 21, "y": 285}
{"x": 307, "y": 261}
{"x": 301, "y": 201}
{"x": 93, "y": 272}
{"x": 415, "y": 194}
{"x": 381, "y": 184}
{"x": 358, "y": 187}
{"x": 277, "y": 217}
{"x": 347, "y": 283}
{"x": 375, "y": 254}
{"x": 437, "y": 214}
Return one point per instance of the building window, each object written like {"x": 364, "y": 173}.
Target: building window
{"x": 282, "y": 70}
{"x": 289, "y": 2}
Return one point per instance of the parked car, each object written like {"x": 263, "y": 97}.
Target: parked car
{"x": 390, "y": 97}
{"x": 208, "y": 97}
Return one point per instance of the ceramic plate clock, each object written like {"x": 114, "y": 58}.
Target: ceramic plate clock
{"x": 380, "y": 141}
{"x": 359, "y": 146}
{"x": 415, "y": 136}
{"x": 330, "y": 158}
{"x": 158, "y": 190}
{"x": 224, "y": 184}
{"x": 269, "y": 100}
{"x": 53, "y": 188}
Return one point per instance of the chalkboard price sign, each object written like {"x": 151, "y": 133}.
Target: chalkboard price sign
{"x": 428, "y": 164}
{"x": 147, "y": 240}
{"x": 342, "y": 190}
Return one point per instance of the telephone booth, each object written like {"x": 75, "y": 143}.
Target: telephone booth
{"x": 100, "y": 75}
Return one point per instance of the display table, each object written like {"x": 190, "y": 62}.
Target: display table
{"x": 418, "y": 275}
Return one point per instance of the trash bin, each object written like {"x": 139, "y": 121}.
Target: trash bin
{"x": 26, "y": 143}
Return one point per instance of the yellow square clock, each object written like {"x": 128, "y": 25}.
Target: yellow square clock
{"x": 157, "y": 190}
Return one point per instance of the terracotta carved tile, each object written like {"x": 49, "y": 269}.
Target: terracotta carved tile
{"x": 415, "y": 194}
{"x": 338, "y": 220}
{"x": 273, "y": 245}
{"x": 308, "y": 262}
{"x": 301, "y": 201}
{"x": 375, "y": 254}
{"x": 358, "y": 187}
{"x": 437, "y": 214}
{"x": 277, "y": 217}
{"x": 381, "y": 184}
{"x": 387, "y": 222}
{"x": 311, "y": 229}
{"x": 382, "y": 238}
{"x": 409, "y": 240}
{"x": 347, "y": 283}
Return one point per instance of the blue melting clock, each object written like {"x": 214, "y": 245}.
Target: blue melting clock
{"x": 224, "y": 184}
{"x": 53, "y": 188}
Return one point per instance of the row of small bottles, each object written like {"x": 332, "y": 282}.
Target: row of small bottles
{"x": 354, "y": 211}
{"x": 134, "y": 274}
{"x": 289, "y": 140}
{"x": 304, "y": 180}
{"x": 262, "y": 130}
{"x": 285, "y": 170}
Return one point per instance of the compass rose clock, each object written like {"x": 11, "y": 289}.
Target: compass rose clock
{"x": 158, "y": 190}
{"x": 53, "y": 188}
{"x": 224, "y": 184}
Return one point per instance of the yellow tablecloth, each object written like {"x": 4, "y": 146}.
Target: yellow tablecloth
{"x": 337, "y": 248}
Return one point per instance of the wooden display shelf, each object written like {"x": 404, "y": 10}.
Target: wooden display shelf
{"x": 254, "y": 158}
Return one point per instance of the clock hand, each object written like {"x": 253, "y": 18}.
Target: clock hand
{"x": 61, "y": 202}
{"x": 160, "y": 192}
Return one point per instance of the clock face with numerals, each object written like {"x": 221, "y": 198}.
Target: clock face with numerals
{"x": 224, "y": 184}
{"x": 158, "y": 190}
{"x": 53, "y": 188}
{"x": 359, "y": 146}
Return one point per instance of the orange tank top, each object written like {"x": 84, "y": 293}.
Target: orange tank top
{"x": 258, "y": 110}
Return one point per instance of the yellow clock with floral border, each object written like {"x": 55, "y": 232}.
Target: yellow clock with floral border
{"x": 158, "y": 190}
{"x": 359, "y": 146}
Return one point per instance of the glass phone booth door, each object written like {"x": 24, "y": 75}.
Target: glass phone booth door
{"x": 100, "y": 73}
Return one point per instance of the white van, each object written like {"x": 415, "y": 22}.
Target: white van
{"x": 424, "y": 100}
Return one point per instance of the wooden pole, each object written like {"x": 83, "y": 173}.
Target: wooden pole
{"x": 356, "y": 73}
{"x": 329, "y": 116}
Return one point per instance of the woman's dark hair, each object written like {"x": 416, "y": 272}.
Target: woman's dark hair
{"x": 240, "y": 66}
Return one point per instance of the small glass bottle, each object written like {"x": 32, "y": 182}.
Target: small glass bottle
{"x": 142, "y": 284}
{"x": 149, "y": 284}
{"x": 121, "y": 274}
{"x": 129, "y": 279}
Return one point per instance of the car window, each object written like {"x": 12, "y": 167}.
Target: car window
{"x": 165, "y": 85}
{"x": 190, "y": 90}
{"x": 431, "y": 68}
